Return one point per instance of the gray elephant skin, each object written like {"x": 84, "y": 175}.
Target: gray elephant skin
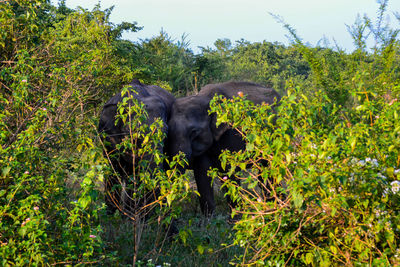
{"x": 158, "y": 104}
{"x": 193, "y": 131}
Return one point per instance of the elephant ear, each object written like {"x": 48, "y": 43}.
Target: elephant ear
{"x": 217, "y": 131}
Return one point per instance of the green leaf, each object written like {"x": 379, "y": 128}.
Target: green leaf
{"x": 297, "y": 199}
{"x": 6, "y": 171}
{"x": 333, "y": 211}
{"x": 288, "y": 157}
{"x": 249, "y": 147}
{"x": 84, "y": 201}
{"x": 309, "y": 258}
{"x": 271, "y": 118}
{"x": 223, "y": 161}
{"x": 353, "y": 142}
{"x": 243, "y": 166}
{"x": 251, "y": 137}
{"x": 390, "y": 171}
{"x": 361, "y": 108}
{"x": 87, "y": 181}
{"x": 22, "y": 231}
{"x": 200, "y": 249}
{"x": 170, "y": 198}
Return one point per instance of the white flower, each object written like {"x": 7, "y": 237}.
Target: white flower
{"x": 354, "y": 161}
{"x": 313, "y": 146}
{"x": 380, "y": 175}
{"x": 351, "y": 179}
{"x": 385, "y": 192}
{"x": 379, "y": 212}
{"x": 396, "y": 171}
{"x": 395, "y": 186}
{"x": 375, "y": 163}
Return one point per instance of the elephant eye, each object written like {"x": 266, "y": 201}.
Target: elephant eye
{"x": 194, "y": 132}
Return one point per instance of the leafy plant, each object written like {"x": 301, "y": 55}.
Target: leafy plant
{"x": 316, "y": 188}
{"x": 55, "y": 66}
{"x": 146, "y": 193}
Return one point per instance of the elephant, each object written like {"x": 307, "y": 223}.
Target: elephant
{"x": 158, "y": 103}
{"x": 193, "y": 131}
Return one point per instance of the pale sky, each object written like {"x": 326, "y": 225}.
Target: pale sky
{"x": 205, "y": 21}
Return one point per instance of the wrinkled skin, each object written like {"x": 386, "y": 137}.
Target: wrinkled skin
{"x": 193, "y": 131}
{"x": 158, "y": 103}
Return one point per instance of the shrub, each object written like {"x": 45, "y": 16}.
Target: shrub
{"x": 147, "y": 193}
{"x": 319, "y": 185}
{"x": 53, "y": 71}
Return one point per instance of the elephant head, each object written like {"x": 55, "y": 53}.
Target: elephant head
{"x": 193, "y": 131}
{"x": 190, "y": 127}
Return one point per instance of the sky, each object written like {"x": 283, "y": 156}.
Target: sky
{"x": 204, "y": 21}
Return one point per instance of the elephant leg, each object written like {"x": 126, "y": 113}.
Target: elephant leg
{"x": 201, "y": 165}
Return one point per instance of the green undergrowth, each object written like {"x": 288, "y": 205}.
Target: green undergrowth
{"x": 200, "y": 242}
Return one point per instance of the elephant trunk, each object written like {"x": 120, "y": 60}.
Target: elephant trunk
{"x": 178, "y": 142}
{"x": 177, "y": 147}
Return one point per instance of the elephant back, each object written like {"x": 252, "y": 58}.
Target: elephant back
{"x": 255, "y": 92}
{"x": 154, "y": 98}
{"x": 166, "y": 96}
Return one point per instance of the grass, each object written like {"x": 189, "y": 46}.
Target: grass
{"x": 201, "y": 241}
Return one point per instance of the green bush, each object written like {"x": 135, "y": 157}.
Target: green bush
{"x": 320, "y": 175}
{"x": 54, "y": 70}
{"x": 147, "y": 194}
{"x": 320, "y": 184}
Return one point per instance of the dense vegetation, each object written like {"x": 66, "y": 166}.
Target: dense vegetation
{"x": 330, "y": 193}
